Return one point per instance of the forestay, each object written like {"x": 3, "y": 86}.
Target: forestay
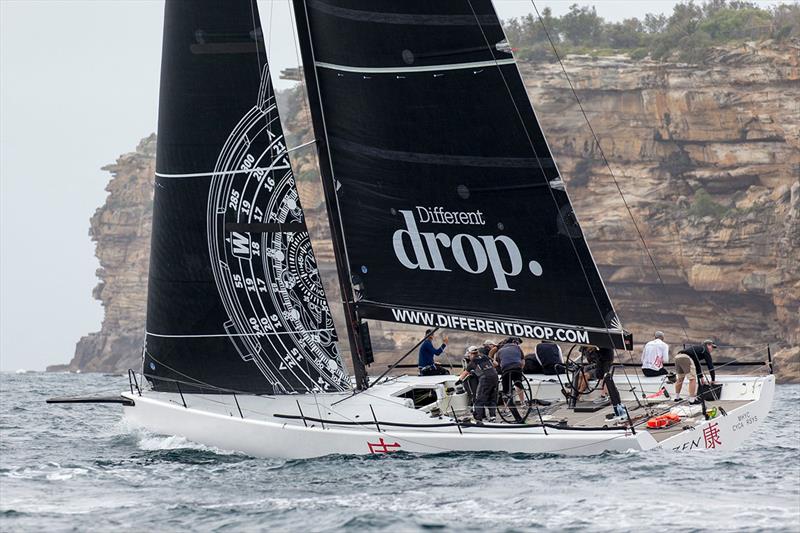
{"x": 235, "y": 300}
{"x": 452, "y": 209}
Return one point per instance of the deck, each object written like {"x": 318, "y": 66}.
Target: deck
{"x": 559, "y": 413}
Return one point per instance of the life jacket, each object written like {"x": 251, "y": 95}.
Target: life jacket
{"x": 548, "y": 356}
{"x": 483, "y": 367}
{"x": 663, "y": 421}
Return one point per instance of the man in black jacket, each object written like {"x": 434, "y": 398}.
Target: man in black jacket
{"x": 485, "y": 398}
{"x": 547, "y": 359}
{"x": 688, "y": 357}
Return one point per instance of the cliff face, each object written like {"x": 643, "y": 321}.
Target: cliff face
{"x": 708, "y": 160}
{"x": 121, "y": 231}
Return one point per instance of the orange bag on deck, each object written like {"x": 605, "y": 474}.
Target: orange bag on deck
{"x": 663, "y": 421}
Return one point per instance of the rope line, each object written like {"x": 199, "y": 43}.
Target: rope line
{"x": 603, "y": 155}
{"x": 552, "y": 194}
{"x": 608, "y": 166}
{"x": 541, "y": 169}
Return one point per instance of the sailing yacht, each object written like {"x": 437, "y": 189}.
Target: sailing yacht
{"x": 446, "y": 210}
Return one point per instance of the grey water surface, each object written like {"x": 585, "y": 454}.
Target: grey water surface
{"x": 79, "y": 468}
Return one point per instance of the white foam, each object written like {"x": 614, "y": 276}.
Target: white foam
{"x": 150, "y": 442}
{"x": 66, "y": 473}
{"x": 50, "y": 471}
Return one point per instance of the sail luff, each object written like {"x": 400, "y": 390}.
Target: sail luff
{"x": 331, "y": 200}
{"x": 617, "y": 335}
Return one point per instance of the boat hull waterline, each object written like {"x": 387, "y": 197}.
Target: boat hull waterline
{"x": 305, "y": 426}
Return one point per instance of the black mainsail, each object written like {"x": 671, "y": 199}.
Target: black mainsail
{"x": 453, "y": 212}
{"x": 235, "y": 301}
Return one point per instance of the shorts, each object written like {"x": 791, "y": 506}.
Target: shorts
{"x": 684, "y": 366}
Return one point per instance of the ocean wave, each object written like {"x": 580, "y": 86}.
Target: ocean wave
{"x": 152, "y": 443}
{"x": 76, "y": 468}
{"x": 49, "y": 471}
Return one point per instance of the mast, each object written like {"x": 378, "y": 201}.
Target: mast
{"x": 352, "y": 320}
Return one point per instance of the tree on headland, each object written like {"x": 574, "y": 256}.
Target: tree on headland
{"x": 686, "y": 35}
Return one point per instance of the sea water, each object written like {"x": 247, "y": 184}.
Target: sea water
{"x": 80, "y": 468}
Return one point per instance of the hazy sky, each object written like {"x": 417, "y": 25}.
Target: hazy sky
{"x": 78, "y": 87}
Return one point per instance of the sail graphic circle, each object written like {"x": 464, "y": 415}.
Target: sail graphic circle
{"x": 263, "y": 263}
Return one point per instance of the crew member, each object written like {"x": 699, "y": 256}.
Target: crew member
{"x": 468, "y": 377}
{"x": 688, "y": 357}
{"x": 654, "y": 354}
{"x": 485, "y": 398}
{"x": 510, "y": 359}
{"x": 427, "y": 366}
{"x": 487, "y": 347}
{"x": 601, "y": 359}
{"x": 547, "y": 359}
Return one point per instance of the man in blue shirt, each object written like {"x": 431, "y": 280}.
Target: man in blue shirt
{"x": 427, "y": 366}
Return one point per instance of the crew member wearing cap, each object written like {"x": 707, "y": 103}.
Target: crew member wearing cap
{"x": 487, "y": 347}
{"x": 427, "y": 366}
{"x": 468, "y": 377}
{"x": 485, "y": 397}
{"x": 654, "y": 355}
{"x": 683, "y": 367}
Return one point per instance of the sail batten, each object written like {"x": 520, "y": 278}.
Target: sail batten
{"x": 449, "y": 198}
{"x": 423, "y": 68}
{"x": 441, "y": 158}
{"x": 212, "y": 173}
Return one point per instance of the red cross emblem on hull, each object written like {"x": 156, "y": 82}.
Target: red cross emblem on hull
{"x": 382, "y": 446}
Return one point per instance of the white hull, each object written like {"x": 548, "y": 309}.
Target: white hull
{"x": 275, "y": 427}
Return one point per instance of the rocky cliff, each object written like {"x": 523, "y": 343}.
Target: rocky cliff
{"x": 121, "y": 230}
{"x": 706, "y": 157}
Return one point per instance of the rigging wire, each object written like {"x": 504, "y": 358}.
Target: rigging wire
{"x": 268, "y": 40}
{"x": 608, "y": 166}
{"x": 541, "y": 169}
{"x": 602, "y": 154}
{"x": 253, "y": 7}
{"x": 550, "y": 190}
{"x": 269, "y": 34}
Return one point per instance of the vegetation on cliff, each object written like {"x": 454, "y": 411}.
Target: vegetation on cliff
{"x": 686, "y": 35}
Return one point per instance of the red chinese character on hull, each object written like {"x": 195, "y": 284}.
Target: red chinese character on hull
{"x": 382, "y": 446}
{"x": 711, "y": 435}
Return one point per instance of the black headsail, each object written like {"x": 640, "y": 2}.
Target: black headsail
{"x": 235, "y": 300}
{"x": 452, "y": 209}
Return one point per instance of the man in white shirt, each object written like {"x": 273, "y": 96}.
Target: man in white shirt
{"x": 654, "y": 355}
